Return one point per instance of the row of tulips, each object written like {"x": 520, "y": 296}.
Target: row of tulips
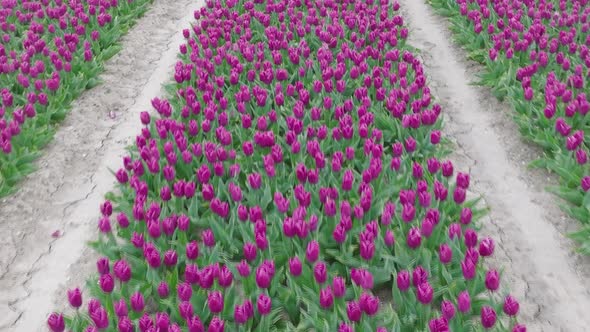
{"x": 536, "y": 55}
{"x": 294, "y": 179}
{"x": 50, "y": 51}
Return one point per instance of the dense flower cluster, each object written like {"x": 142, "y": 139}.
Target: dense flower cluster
{"x": 537, "y": 54}
{"x": 50, "y": 51}
{"x": 294, "y": 181}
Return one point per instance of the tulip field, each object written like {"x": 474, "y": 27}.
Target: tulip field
{"x": 296, "y": 174}
{"x": 536, "y": 56}
{"x": 50, "y": 51}
{"x": 294, "y": 178}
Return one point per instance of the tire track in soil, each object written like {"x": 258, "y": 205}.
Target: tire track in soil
{"x": 73, "y": 173}
{"x": 539, "y": 265}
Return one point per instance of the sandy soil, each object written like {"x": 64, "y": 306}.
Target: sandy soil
{"x": 541, "y": 268}
{"x": 73, "y": 176}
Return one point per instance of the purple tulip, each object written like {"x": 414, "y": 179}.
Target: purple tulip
{"x": 464, "y": 302}
{"x": 243, "y": 268}
{"x": 106, "y": 283}
{"x": 470, "y": 238}
{"x": 215, "y": 302}
{"x": 488, "y": 317}
{"x": 137, "y": 302}
{"x": 194, "y": 324}
{"x": 121, "y": 308}
{"x": 208, "y": 238}
{"x": 414, "y": 238}
{"x": 445, "y": 253}
{"x": 192, "y": 250}
{"x": 326, "y": 297}
{"x": 263, "y": 277}
{"x": 403, "y": 280}
{"x": 486, "y": 247}
{"x": 162, "y": 321}
{"x": 216, "y": 325}
{"x": 125, "y": 325}
{"x": 511, "y": 306}
{"x": 185, "y": 309}
{"x": 492, "y": 280}
{"x": 56, "y": 322}
{"x": 163, "y": 290}
{"x": 240, "y": 314}
{"x": 343, "y": 327}
{"x": 170, "y": 258}
{"x": 75, "y": 297}
{"x": 353, "y": 311}
{"x": 320, "y": 272}
{"x": 122, "y": 270}
{"x": 185, "y": 291}
{"x": 447, "y": 309}
{"x": 424, "y": 293}
{"x": 102, "y": 265}
{"x": 313, "y": 251}
{"x": 250, "y": 251}
{"x": 519, "y": 328}
{"x": 100, "y": 318}
{"x": 369, "y": 304}
{"x": 389, "y": 238}
{"x": 264, "y": 304}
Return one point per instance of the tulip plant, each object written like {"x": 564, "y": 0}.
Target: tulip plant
{"x": 50, "y": 51}
{"x": 536, "y": 55}
{"x": 293, "y": 180}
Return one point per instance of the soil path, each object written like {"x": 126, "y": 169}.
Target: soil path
{"x": 540, "y": 266}
{"x": 73, "y": 176}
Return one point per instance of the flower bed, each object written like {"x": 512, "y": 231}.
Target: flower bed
{"x": 536, "y": 55}
{"x": 50, "y": 51}
{"x": 292, "y": 180}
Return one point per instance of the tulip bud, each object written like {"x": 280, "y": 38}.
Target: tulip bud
{"x": 106, "y": 283}
{"x": 445, "y": 253}
{"x": 403, "y": 280}
{"x": 243, "y": 268}
{"x": 369, "y": 304}
{"x": 122, "y": 270}
{"x": 125, "y": 325}
{"x": 137, "y": 302}
{"x": 75, "y": 297}
{"x": 424, "y": 293}
{"x": 486, "y": 247}
{"x": 163, "y": 290}
{"x": 447, "y": 309}
{"x": 312, "y": 252}
{"x": 511, "y": 306}
{"x": 184, "y": 291}
{"x": 216, "y": 325}
{"x": 353, "y": 311}
{"x": 326, "y": 297}
{"x": 56, "y": 322}
{"x": 215, "y": 302}
{"x": 264, "y": 304}
{"x": 464, "y": 302}
{"x": 492, "y": 280}
{"x": 488, "y": 317}
{"x": 121, "y": 308}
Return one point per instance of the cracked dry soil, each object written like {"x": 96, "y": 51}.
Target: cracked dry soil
{"x": 64, "y": 194}
{"x": 73, "y": 174}
{"x": 540, "y": 267}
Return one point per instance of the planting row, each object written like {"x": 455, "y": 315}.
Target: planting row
{"x": 537, "y": 56}
{"x": 294, "y": 179}
{"x": 50, "y": 51}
